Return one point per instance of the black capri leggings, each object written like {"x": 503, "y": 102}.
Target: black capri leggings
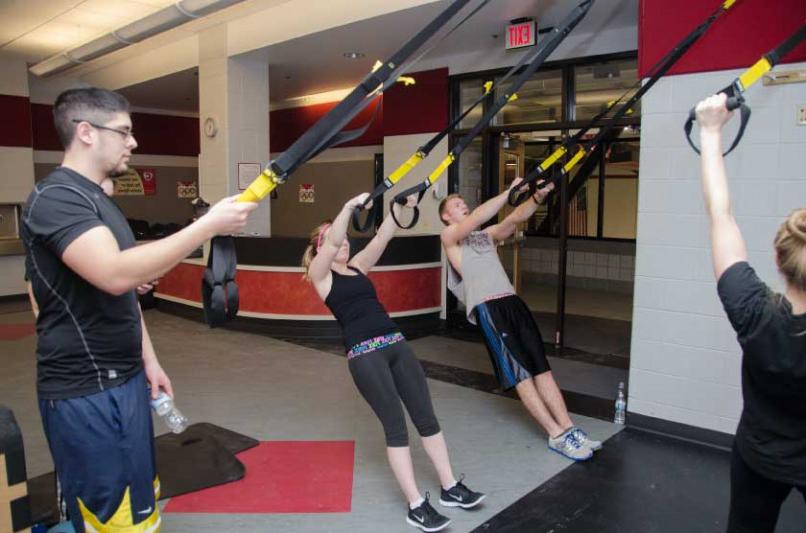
{"x": 755, "y": 501}
{"x": 388, "y": 375}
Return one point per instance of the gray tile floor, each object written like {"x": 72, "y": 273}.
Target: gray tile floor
{"x": 273, "y": 390}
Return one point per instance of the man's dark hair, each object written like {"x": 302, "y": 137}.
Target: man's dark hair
{"x": 91, "y": 104}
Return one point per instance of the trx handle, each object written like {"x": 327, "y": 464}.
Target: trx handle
{"x": 735, "y": 91}
{"x": 735, "y": 101}
{"x": 402, "y": 199}
{"x": 419, "y": 190}
{"x": 387, "y": 184}
{"x": 518, "y": 197}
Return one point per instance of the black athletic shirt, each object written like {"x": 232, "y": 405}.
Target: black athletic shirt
{"x": 771, "y": 437}
{"x": 88, "y": 340}
{"x": 355, "y": 304}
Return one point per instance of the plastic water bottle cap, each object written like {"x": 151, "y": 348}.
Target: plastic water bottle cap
{"x": 160, "y": 400}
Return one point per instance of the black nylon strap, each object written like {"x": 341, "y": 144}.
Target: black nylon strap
{"x": 735, "y": 92}
{"x": 544, "y": 49}
{"x": 657, "y": 71}
{"x": 219, "y": 291}
{"x": 347, "y": 109}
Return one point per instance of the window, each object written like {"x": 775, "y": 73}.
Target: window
{"x": 539, "y": 100}
{"x": 598, "y": 84}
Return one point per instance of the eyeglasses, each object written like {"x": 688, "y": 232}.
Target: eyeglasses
{"x": 126, "y": 133}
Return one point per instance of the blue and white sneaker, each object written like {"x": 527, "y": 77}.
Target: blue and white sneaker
{"x": 568, "y": 445}
{"x": 585, "y": 440}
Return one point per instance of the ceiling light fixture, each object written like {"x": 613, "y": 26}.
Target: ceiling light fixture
{"x": 158, "y": 22}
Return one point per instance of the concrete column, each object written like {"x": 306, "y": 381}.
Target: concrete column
{"x": 234, "y": 95}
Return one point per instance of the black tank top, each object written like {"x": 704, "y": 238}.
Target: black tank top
{"x": 355, "y": 304}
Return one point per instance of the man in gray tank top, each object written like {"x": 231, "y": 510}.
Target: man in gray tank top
{"x": 477, "y": 278}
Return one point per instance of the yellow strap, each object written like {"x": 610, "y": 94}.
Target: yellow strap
{"x": 754, "y": 73}
{"x": 406, "y": 167}
{"x": 728, "y": 4}
{"x": 488, "y": 86}
{"x": 574, "y": 160}
{"x": 260, "y": 187}
{"x": 434, "y": 176}
{"x": 513, "y": 97}
{"x": 378, "y": 64}
{"x": 550, "y": 160}
{"x": 406, "y": 80}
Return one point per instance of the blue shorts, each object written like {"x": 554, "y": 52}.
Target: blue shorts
{"x": 513, "y": 340}
{"x": 103, "y": 449}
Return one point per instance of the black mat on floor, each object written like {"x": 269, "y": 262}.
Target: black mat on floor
{"x": 200, "y": 457}
{"x": 639, "y": 483}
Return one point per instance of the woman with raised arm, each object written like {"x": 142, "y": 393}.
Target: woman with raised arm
{"x": 381, "y": 362}
{"x": 769, "y": 451}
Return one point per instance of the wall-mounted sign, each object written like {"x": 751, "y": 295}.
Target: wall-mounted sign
{"x": 247, "y": 172}
{"x": 187, "y": 189}
{"x": 307, "y": 194}
{"x": 520, "y": 33}
{"x": 137, "y": 182}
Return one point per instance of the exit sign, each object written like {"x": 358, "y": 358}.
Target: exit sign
{"x": 520, "y": 34}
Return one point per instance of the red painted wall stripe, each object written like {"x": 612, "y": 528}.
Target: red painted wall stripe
{"x": 287, "y": 125}
{"x": 418, "y": 108}
{"x": 156, "y": 134}
{"x": 286, "y": 293}
{"x": 16, "y": 113}
{"x": 749, "y": 29}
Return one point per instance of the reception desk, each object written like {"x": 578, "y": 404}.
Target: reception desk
{"x": 275, "y": 299}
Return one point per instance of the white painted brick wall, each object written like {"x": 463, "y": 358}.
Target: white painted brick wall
{"x": 686, "y": 362}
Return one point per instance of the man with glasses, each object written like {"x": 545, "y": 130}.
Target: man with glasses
{"x": 95, "y": 359}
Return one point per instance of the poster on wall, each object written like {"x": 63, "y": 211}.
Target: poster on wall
{"x": 307, "y": 194}
{"x": 137, "y": 182}
{"x": 247, "y": 172}
{"x": 187, "y": 189}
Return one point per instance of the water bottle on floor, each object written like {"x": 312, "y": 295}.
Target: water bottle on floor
{"x": 621, "y": 405}
{"x": 164, "y": 406}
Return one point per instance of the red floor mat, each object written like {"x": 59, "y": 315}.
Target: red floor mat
{"x": 13, "y": 332}
{"x": 282, "y": 477}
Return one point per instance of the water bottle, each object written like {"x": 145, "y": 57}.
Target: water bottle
{"x": 164, "y": 406}
{"x": 621, "y": 405}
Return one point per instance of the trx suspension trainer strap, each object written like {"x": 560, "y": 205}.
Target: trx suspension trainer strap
{"x": 735, "y": 91}
{"x": 545, "y": 48}
{"x": 219, "y": 290}
{"x": 423, "y": 151}
{"x": 655, "y": 74}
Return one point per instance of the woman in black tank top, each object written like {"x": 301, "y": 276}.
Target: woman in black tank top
{"x": 381, "y": 362}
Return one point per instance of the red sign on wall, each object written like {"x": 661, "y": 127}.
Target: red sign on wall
{"x": 149, "y": 177}
{"x": 521, "y": 34}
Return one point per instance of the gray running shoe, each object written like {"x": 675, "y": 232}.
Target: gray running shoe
{"x": 585, "y": 440}
{"x": 567, "y": 445}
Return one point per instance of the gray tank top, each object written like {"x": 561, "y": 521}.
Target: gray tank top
{"x": 484, "y": 276}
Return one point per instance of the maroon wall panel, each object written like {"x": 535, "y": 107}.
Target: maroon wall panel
{"x": 287, "y": 125}
{"x": 418, "y": 108}
{"x": 155, "y": 134}
{"x": 749, "y": 29}
{"x": 16, "y": 113}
